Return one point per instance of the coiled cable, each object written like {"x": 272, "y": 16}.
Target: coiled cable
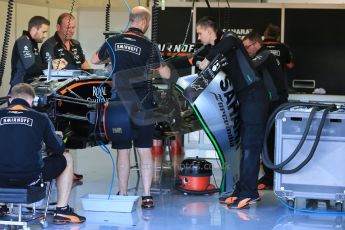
{"x": 107, "y": 18}
{"x": 154, "y": 39}
{"x": 6, "y": 38}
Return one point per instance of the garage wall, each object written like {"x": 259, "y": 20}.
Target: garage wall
{"x": 92, "y": 25}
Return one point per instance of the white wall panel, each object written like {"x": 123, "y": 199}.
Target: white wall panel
{"x": 25, "y": 12}
{"x": 91, "y": 27}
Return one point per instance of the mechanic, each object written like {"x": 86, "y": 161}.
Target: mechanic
{"x": 26, "y": 62}
{"x": 21, "y": 163}
{"x": 63, "y": 46}
{"x": 253, "y": 105}
{"x": 280, "y": 50}
{"x": 128, "y": 52}
{"x": 270, "y": 70}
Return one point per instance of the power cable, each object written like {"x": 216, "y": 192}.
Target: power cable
{"x": 7, "y": 33}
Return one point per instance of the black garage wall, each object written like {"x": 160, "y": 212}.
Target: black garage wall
{"x": 242, "y": 20}
{"x": 172, "y": 31}
{"x": 315, "y": 36}
{"x": 317, "y": 40}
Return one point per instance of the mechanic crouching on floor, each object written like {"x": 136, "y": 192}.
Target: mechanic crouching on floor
{"x": 22, "y": 132}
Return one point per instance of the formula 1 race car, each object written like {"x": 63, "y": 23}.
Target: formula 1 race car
{"x": 76, "y": 103}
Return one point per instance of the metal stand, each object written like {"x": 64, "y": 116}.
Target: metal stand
{"x": 19, "y": 196}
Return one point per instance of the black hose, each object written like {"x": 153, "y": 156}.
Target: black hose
{"x": 107, "y": 19}
{"x": 301, "y": 142}
{"x": 312, "y": 151}
{"x": 154, "y": 39}
{"x": 265, "y": 156}
{"x": 208, "y": 4}
{"x": 6, "y": 38}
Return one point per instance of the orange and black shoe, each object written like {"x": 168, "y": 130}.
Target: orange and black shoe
{"x": 243, "y": 203}
{"x": 265, "y": 183}
{"x": 229, "y": 197}
{"x": 66, "y": 215}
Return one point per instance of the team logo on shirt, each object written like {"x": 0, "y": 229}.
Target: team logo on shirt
{"x": 16, "y": 121}
{"x": 275, "y": 52}
{"x": 129, "y": 39}
{"x": 26, "y": 52}
{"x": 128, "y": 48}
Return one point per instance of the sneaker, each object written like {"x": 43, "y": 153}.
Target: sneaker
{"x": 265, "y": 183}
{"x": 262, "y": 186}
{"x": 243, "y": 203}
{"x": 3, "y": 209}
{"x": 227, "y": 198}
{"x": 66, "y": 216}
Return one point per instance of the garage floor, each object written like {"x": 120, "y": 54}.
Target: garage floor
{"x": 174, "y": 210}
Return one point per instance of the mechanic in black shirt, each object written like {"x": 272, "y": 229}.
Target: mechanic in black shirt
{"x": 253, "y": 106}
{"x": 270, "y": 70}
{"x": 22, "y": 132}
{"x": 280, "y": 50}
{"x": 62, "y": 46}
{"x": 68, "y": 54}
{"x": 130, "y": 55}
{"x": 26, "y": 62}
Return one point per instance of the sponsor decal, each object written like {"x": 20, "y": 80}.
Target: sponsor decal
{"x": 117, "y": 130}
{"x": 15, "y": 112}
{"x": 16, "y": 121}
{"x": 129, "y": 39}
{"x": 227, "y": 105}
{"x": 98, "y": 94}
{"x": 275, "y": 52}
{"x": 26, "y": 52}
{"x": 240, "y": 32}
{"x": 176, "y": 49}
{"x": 128, "y": 48}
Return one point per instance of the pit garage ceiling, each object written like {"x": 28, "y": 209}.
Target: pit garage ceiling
{"x": 82, "y": 3}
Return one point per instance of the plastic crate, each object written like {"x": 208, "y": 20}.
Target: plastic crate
{"x": 98, "y": 202}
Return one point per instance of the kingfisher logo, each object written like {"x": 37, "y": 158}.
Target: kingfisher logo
{"x": 128, "y": 48}
{"x": 16, "y": 121}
